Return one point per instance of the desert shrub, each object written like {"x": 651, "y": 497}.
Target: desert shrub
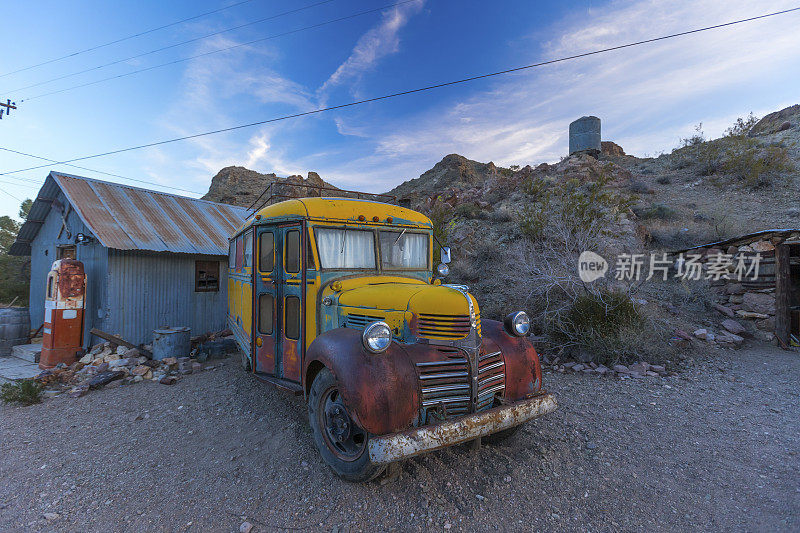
{"x": 639, "y": 187}
{"x": 571, "y": 208}
{"x": 23, "y": 392}
{"x": 748, "y": 161}
{"x": 752, "y": 164}
{"x": 664, "y": 180}
{"x": 606, "y": 324}
{"x": 655, "y": 211}
{"x": 468, "y": 210}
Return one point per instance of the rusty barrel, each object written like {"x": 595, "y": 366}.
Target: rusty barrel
{"x": 171, "y": 342}
{"x": 15, "y": 324}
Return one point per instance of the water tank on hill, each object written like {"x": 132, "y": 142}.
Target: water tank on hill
{"x": 584, "y": 135}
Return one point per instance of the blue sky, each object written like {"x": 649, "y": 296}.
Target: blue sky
{"x": 648, "y": 96}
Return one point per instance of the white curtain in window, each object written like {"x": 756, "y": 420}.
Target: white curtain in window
{"x": 345, "y": 248}
{"x": 407, "y": 251}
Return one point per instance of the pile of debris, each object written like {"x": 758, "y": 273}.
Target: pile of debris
{"x": 109, "y": 365}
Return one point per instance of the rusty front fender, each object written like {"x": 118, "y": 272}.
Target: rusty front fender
{"x": 379, "y": 390}
{"x": 523, "y": 369}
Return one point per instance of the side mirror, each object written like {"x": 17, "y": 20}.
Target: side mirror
{"x": 445, "y": 254}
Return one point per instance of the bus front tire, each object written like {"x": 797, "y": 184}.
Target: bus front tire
{"x": 340, "y": 441}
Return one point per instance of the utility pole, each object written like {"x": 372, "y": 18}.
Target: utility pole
{"x": 9, "y": 105}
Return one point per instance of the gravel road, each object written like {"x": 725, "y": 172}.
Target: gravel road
{"x": 713, "y": 449}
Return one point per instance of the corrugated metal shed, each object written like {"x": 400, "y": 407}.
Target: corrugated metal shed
{"x": 129, "y": 218}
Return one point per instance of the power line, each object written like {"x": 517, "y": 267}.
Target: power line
{"x": 97, "y": 47}
{"x": 11, "y": 195}
{"x": 182, "y": 60}
{"x": 118, "y": 61}
{"x": 92, "y": 170}
{"x": 411, "y": 91}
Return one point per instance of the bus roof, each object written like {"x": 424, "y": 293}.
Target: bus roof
{"x": 339, "y": 210}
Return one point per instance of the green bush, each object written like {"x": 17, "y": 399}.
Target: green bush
{"x": 23, "y": 392}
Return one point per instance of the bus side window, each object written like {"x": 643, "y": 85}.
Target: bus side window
{"x": 291, "y": 328}
{"x": 248, "y": 248}
{"x": 232, "y": 254}
{"x": 292, "y": 251}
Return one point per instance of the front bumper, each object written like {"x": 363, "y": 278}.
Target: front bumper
{"x": 389, "y": 448}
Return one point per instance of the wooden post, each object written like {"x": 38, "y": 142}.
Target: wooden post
{"x": 782, "y": 290}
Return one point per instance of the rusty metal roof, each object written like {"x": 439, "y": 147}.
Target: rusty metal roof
{"x": 129, "y": 218}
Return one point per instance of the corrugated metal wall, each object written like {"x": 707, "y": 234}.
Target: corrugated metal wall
{"x": 146, "y": 291}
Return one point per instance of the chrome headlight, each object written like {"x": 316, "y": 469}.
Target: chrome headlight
{"x": 377, "y": 337}
{"x": 443, "y": 270}
{"x": 518, "y": 324}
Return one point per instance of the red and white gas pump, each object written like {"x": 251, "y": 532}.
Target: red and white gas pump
{"x": 64, "y": 301}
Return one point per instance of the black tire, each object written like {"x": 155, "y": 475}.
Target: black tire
{"x": 245, "y": 362}
{"x": 501, "y": 436}
{"x": 342, "y": 444}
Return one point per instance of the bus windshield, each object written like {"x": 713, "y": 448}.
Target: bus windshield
{"x": 403, "y": 250}
{"x": 350, "y": 248}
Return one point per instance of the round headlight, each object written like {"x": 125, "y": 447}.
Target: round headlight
{"x": 518, "y": 324}
{"x": 443, "y": 270}
{"x": 377, "y": 337}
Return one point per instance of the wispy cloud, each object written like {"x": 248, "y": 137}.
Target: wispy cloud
{"x": 647, "y": 96}
{"x": 377, "y": 43}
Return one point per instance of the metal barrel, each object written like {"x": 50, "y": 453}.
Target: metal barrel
{"x": 171, "y": 342}
{"x": 15, "y": 325}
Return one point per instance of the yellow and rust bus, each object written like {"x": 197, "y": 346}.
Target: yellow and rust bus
{"x": 337, "y": 299}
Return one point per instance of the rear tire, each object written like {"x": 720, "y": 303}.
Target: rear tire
{"x": 340, "y": 441}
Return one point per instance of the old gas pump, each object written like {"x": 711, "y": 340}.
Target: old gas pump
{"x": 65, "y": 296}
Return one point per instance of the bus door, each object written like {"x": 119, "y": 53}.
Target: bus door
{"x": 279, "y": 301}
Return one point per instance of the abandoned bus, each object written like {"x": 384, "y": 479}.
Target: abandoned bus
{"x": 336, "y": 299}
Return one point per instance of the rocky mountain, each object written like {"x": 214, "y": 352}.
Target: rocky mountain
{"x": 241, "y": 186}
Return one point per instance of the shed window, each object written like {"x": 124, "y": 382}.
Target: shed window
{"x": 293, "y": 251}
{"x": 206, "y": 276}
{"x": 292, "y": 327}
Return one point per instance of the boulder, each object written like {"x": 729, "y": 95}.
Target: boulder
{"x": 734, "y": 288}
{"x": 733, "y": 326}
{"x": 701, "y": 333}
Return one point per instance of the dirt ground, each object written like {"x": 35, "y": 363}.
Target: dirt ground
{"x": 713, "y": 449}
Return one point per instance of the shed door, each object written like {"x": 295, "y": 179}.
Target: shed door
{"x": 279, "y": 301}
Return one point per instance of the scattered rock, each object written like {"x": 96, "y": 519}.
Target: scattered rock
{"x": 77, "y": 392}
{"x": 104, "y": 377}
{"x": 622, "y": 369}
{"x": 757, "y": 302}
{"x": 140, "y": 370}
{"x": 733, "y": 326}
{"x": 682, "y": 334}
{"x": 701, "y": 333}
{"x": 168, "y": 380}
{"x": 727, "y": 311}
{"x": 51, "y": 516}
{"x": 750, "y": 314}
{"x": 246, "y": 527}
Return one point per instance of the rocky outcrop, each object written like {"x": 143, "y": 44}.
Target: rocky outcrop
{"x": 612, "y": 149}
{"x": 241, "y": 186}
{"x": 778, "y": 121}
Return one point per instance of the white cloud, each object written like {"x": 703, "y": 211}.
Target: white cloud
{"x": 377, "y": 43}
